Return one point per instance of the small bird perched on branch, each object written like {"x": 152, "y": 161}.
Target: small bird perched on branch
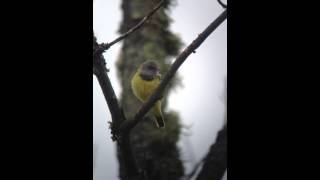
{"x": 144, "y": 82}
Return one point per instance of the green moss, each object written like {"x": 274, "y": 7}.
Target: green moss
{"x": 152, "y": 51}
{"x": 137, "y": 9}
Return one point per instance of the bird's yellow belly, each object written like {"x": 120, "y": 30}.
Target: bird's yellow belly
{"x": 143, "y": 89}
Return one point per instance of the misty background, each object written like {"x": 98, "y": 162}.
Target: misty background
{"x": 201, "y": 102}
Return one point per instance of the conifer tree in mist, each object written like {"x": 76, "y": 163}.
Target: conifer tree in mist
{"x": 155, "y": 149}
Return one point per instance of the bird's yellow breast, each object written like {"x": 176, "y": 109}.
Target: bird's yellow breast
{"x": 142, "y": 88}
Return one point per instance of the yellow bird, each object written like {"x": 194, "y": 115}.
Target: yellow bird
{"x": 144, "y": 82}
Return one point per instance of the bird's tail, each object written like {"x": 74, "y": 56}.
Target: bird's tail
{"x": 158, "y": 115}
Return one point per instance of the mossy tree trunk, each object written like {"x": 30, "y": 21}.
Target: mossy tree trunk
{"x": 155, "y": 149}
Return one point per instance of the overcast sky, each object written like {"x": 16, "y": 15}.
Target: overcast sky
{"x": 199, "y": 102}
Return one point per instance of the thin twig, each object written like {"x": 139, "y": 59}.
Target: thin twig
{"x": 139, "y": 25}
{"x": 222, "y": 4}
{"x": 129, "y": 124}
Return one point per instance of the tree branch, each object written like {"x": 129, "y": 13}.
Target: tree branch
{"x": 136, "y": 27}
{"x": 194, "y": 170}
{"x": 126, "y": 126}
{"x": 101, "y": 72}
{"x": 215, "y": 162}
{"x": 222, "y": 4}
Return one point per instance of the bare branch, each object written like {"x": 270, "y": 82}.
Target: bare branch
{"x": 129, "y": 124}
{"x": 194, "y": 170}
{"x": 139, "y": 25}
{"x": 117, "y": 115}
{"x": 101, "y": 72}
{"x": 215, "y": 162}
{"x": 222, "y": 4}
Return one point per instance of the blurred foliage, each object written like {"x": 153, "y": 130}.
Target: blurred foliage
{"x": 156, "y": 149}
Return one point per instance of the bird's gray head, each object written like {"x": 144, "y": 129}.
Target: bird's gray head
{"x": 149, "y": 70}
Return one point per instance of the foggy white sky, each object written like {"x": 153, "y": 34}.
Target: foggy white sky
{"x": 199, "y": 102}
